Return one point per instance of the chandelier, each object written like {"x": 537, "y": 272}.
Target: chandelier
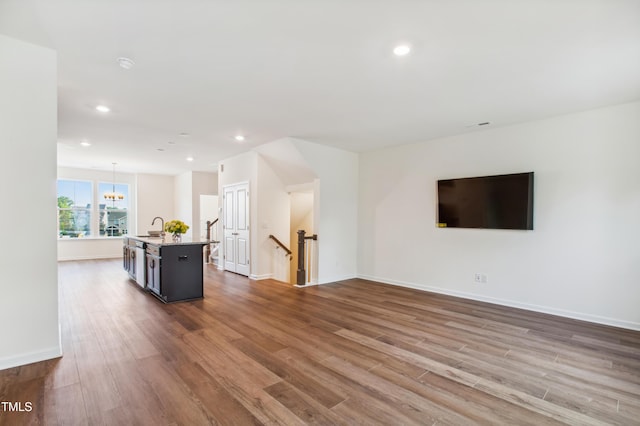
{"x": 113, "y": 195}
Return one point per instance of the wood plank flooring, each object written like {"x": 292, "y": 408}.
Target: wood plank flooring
{"x": 353, "y": 352}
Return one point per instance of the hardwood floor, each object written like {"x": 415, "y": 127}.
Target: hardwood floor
{"x": 354, "y": 352}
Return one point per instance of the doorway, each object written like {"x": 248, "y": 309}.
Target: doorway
{"x": 236, "y": 228}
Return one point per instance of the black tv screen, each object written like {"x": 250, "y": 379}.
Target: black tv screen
{"x": 492, "y": 202}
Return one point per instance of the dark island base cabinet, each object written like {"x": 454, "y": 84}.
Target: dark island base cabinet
{"x": 174, "y": 272}
{"x": 129, "y": 257}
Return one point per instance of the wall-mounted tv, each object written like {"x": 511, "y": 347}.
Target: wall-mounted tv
{"x": 492, "y": 202}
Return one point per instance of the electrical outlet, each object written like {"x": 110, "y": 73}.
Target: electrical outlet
{"x": 480, "y": 278}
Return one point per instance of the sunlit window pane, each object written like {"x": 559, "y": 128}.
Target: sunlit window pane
{"x": 83, "y": 212}
{"x": 113, "y": 201}
{"x": 74, "y": 208}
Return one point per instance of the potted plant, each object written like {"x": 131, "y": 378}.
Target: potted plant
{"x": 176, "y": 228}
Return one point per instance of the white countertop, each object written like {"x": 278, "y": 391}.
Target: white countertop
{"x": 167, "y": 240}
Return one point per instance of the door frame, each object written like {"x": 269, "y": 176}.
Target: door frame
{"x": 224, "y": 221}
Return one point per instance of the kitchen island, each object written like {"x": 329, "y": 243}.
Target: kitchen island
{"x": 171, "y": 271}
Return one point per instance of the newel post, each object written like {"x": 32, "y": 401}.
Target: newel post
{"x": 301, "y": 276}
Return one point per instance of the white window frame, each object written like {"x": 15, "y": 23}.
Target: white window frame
{"x": 95, "y": 211}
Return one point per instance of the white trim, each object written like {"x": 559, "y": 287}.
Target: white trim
{"x": 260, "y": 277}
{"x": 308, "y": 285}
{"x": 301, "y": 187}
{"x": 93, "y": 238}
{"x": 108, "y": 256}
{"x": 31, "y": 357}
{"x": 505, "y": 302}
{"x": 334, "y": 279}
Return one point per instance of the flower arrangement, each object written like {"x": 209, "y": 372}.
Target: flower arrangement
{"x": 176, "y": 227}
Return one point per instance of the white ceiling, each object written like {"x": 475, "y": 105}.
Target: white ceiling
{"x": 319, "y": 70}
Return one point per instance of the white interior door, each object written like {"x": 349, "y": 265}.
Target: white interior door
{"x": 236, "y": 228}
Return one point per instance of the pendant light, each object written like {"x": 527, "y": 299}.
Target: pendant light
{"x": 113, "y": 195}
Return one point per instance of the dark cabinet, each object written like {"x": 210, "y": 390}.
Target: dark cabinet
{"x": 174, "y": 271}
{"x": 129, "y": 257}
{"x": 133, "y": 260}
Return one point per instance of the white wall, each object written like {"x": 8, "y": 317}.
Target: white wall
{"x": 173, "y": 197}
{"x": 581, "y": 260}
{"x": 183, "y": 201}
{"x": 29, "y": 285}
{"x": 240, "y": 169}
{"x": 203, "y": 183}
{"x": 154, "y": 198}
{"x": 291, "y": 161}
{"x": 333, "y": 173}
{"x": 268, "y": 211}
{"x": 273, "y": 219}
{"x": 89, "y": 248}
{"x": 209, "y": 211}
{"x": 335, "y": 209}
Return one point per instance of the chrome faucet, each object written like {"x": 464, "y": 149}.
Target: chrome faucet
{"x": 161, "y": 222}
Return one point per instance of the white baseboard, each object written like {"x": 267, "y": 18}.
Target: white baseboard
{"x": 31, "y": 357}
{"x": 67, "y": 259}
{"x": 336, "y": 279}
{"x": 511, "y": 303}
{"x": 311, "y": 284}
{"x": 260, "y": 277}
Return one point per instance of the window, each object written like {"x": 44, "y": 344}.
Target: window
{"x": 113, "y": 209}
{"x": 74, "y": 208}
{"x": 92, "y": 209}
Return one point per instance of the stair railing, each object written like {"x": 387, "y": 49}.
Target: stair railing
{"x": 207, "y": 248}
{"x": 287, "y": 252}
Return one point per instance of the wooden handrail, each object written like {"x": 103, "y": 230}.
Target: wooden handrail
{"x": 207, "y": 249}
{"x": 282, "y": 245}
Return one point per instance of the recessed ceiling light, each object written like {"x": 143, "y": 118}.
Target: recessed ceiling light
{"x": 184, "y": 134}
{"x": 239, "y": 138}
{"x": 85, "y": 143}
{"x": 171, "y": 143}
{"x": 125, "y": 63}
{"x": 160, "y": 149}
{"x": 189, "y": 158}
{"x": 401, "y": 50}
{"x": 103, "y": 108}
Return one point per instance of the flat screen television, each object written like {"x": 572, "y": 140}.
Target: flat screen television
{"x": 492, "y": 202}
